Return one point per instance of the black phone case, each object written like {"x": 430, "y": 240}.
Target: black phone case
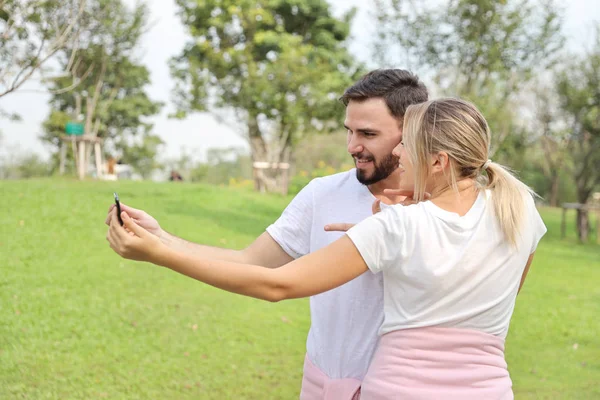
{"x": 118, "y": 204}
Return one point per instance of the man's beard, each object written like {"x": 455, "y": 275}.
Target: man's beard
{"x": 382, "y": 170}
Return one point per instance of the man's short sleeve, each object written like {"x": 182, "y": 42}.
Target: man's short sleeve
{"x": 292, "y": 230}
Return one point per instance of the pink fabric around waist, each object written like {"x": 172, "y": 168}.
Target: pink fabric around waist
{"x": 438, "y": 363}
{"x": 316, "y": 385}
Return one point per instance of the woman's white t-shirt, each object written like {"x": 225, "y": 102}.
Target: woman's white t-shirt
{"x": 442, "y": 269}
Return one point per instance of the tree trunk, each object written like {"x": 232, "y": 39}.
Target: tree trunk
{"x": 258, "y": 153}
{"x": 583, "y": 225}
{"x": 554, "y": 186}
{"x": 270, "y": 172}
{"x": 81, "y": 167}
{"x": 272, "y": 175}
{"x": 91, "y": 103}
{"x": 263, "y": 181}
{"x": 584, "y": 190}
{"x": 283, "y": 174}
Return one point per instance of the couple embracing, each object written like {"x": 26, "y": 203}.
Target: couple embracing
{"x": 411, "y": 302}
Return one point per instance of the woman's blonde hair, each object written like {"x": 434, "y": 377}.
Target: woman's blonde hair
{"x": 457, "y": 128}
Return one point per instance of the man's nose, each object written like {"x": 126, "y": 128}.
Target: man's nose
{"x": 354, "y": 145}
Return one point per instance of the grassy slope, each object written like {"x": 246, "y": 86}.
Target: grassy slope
{"x": 77, "y": 322}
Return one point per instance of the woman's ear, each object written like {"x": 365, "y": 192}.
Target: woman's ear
{"x": 439, "y": 162}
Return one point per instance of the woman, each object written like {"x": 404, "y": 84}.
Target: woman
{"x": 452, "y": 265}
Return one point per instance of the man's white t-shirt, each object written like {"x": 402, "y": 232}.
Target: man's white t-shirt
{"x": 441, "y": 269}
{"x": 344, "y": 321}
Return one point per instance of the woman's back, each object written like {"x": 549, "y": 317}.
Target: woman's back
{"x": 442, "y": 269}
{"x": 450, "y": 284}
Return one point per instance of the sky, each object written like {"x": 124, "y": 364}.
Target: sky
{"x": 199, "y": 132}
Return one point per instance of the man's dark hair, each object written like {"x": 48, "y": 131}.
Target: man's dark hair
{"x": 399, "y": 88}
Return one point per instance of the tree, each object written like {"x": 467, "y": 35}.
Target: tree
{"x": 105, "y": 88}
{"x": 273, "y": 67}
{"x": 329, "y": 149}
{"x": 225, "y": 164}
{"x": 578, "y": 86}
{"x": 222, "y": 166}
{"x": 31, "y": 32}
{"x": 185, "y": 165}
{"x": 549, "y": 126}
{"x": 16, "y": 164}
{"x": 482, "y": 50}
{"x": 142, "y": 154}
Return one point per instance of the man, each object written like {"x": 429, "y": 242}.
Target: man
{"x": 344, "y": 321}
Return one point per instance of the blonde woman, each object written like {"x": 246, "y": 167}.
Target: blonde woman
{"x": 452, "y": 265}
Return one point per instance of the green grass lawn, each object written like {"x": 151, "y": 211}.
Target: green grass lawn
{"x": 78, "y": 322}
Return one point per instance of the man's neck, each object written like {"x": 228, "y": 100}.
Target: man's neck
{"x": 391, "y": 182}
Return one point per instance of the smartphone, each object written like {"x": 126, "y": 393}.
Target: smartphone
{"x": 118, "y": 204}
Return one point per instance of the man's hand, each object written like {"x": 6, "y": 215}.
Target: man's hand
{"x": 408, "y": 196}
{"x": 140, "y": 217}
{"x": 376, "y": 207}
{"x": 131, "y": 241}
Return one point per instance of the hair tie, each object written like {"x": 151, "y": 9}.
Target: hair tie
{"x": 486, "y": 164}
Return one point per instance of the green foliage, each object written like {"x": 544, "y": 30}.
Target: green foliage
{"x": 538, "y": 181}
{"x": 496, "y": 54}
{"x": 319, "y": 156}
{"x": 223, "y": 166}
{"x": 579, "y": 89}
{"x": 109, "y": 94}
{"x": 477, "y": 41}
{"x": 142, "y": 154}
{"x": 183, "y": 164}
{"x": 31, "y": 32}
{"x": 303, "y": 177}
{"x": 10, "y": 116}
{"x": 329, "y": 148}
{"x": 18, "y": 165}
{"x": 278, "y": 65}
{"x": 482, "y": 50}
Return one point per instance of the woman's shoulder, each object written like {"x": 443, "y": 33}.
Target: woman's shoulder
{"x": 401, "y": 209}
{"x": 404, "y": 215}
